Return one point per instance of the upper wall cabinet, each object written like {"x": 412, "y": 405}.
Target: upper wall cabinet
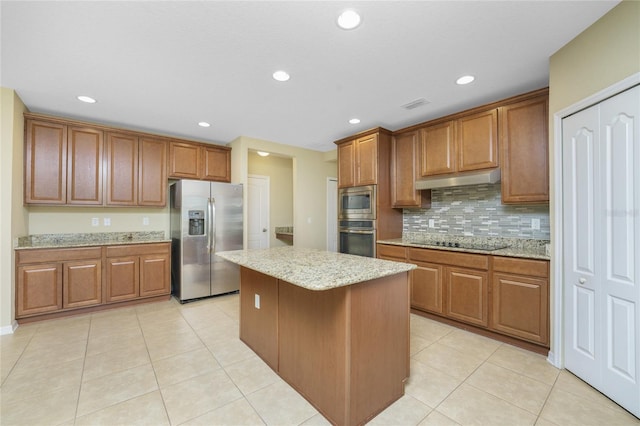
{"x": 404, "y": 172}
{"x": 199, "y": 161}
{"x": 63, "y": 164}
{"x": 465, "y": 144}
{"x": 524, "y": 147}
{"x": 359, "y": 158}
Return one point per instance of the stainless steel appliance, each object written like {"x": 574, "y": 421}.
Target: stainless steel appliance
{"x": 358, "y": 237}
{"x": 205, "y": 217}
{"x": 357, "y": 202}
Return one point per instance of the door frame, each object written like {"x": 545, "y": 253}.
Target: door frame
{"x": 556, "y": 354}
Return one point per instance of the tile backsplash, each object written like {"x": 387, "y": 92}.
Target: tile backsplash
{"x": 477, "y": 210}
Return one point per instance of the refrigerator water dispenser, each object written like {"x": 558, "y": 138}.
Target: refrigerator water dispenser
{"x": 196, "y": 222}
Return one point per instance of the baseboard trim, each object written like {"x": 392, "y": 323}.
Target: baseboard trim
{"x": 9, "y": 329}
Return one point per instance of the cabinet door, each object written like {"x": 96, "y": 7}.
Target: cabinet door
{"x": 467, "y": 295}
{"x": 154, "y": 275}
{"x": 45, "y": 168}
{"x": 152, "y": 173}
{"x": 217, "y": 164}
{"x": 366, "y": 150}
{"x": 122, "y": 278}
{"x": 520, "y": 307}
{"x": 438, "y": 152}
{"x": 184, "y": 160}
{"x": 426, "y": 287}
{"x": 404, "y": 161}
{"x": 524, "y": 149}
{"x": 478, "y": 141}
{"x": 39, "y": 289}
{"x": 122, "y": 169}
{"x": 84, "y": 166}
{"x": 346, "y": 165}
{"x": 82, "y": 284}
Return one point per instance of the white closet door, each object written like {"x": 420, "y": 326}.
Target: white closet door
{"x": 581, "y": 196}
{"x": 601, "y": 178}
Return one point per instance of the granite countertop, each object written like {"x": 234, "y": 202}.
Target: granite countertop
{"x": 314, "y": 269}
{"x": 41, "y": 241}
{"x": 509, "y": 247}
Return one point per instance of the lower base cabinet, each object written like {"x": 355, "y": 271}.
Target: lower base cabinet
{"x": 51, "y": 280}
{"x": 137, "y": 270}
{"x": 505, "y": 295}
{"x": 57, "y": 280}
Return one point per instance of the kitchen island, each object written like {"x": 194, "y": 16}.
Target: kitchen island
{"x": 333, "y": 326}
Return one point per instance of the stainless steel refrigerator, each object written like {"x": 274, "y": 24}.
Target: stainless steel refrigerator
{"x": 205, "y": 218}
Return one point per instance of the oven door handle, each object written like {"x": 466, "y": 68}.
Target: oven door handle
{"x": 355, "y": 231}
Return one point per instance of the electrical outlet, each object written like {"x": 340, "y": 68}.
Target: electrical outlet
{"x": 95, "y": 221}
{"x": 107, "y": 221}
{"x": 145, "y": 221}
{"x": 535, "y": 223}
{"x": 256, "y": 301}
{"x": 432, "y": 223}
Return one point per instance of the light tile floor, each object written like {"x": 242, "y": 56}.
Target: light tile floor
{"x": 170, "y": 364}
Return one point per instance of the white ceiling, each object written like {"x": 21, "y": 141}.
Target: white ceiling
{"x": 163, "y": 66}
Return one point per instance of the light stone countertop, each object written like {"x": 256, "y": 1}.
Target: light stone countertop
{"x": 42, "y": 241}
{"x": 314, "y": 269}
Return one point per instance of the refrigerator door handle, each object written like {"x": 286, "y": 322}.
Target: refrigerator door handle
{"x": 212, "y": 222}
{"x": 209, "y": 218}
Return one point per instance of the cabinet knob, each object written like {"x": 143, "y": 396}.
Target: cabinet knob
{"x": 582, "y": 280}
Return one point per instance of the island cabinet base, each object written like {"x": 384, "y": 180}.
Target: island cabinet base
{"x": 346, "y": 350}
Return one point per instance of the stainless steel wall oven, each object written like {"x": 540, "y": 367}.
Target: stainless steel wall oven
{"x": 358, "y": 237}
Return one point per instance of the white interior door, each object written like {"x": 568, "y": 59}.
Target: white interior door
{"x": 332, "y": 214}
{"x": 258, "y": 212}
{"x": 601, "y": 187}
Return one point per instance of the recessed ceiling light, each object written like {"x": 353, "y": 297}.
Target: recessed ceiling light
{"x": 263, "y": 154}
{"x": 87, "y": 99}
{"x": 349, "y": 19}
{"x": 354, "y": 121}
{"x": 466, "y": 79}
{"x": 204, "y": 124}
{"x": 281, "y": 76}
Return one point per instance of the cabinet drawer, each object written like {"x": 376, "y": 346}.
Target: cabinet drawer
{"x": 138, "y": 249}
{"x": 57, "y": 255}
{"x": 475, "y": 261}
{"x": 397, "y": 252}
{"x": 535, "y": 268}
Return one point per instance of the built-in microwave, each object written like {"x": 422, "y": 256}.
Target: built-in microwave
{"x": 357, "y": 202}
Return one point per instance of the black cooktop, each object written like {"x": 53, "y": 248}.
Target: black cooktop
{"x": 466, "y": 245}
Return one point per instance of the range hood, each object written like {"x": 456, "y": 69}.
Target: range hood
{"x": 474, "y": 178}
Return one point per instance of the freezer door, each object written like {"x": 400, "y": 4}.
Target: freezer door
{"x": 226, "y": 207}
{"x": 195, "y": 270}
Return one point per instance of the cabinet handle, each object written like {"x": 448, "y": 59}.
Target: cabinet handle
{"x": 582, "y": 280}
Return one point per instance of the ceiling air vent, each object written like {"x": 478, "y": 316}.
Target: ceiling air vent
{"x": 415, "y": 104}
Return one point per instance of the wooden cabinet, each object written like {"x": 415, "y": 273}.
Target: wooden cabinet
{"x": 404, "y": 172}
{"x": 152, "y": 173}
{"x": 427, "y": 287}
{"x": 359, "y": 158}
{"x": 524, "y": 148}
{"x": 136, "y": 171}
{"x": 134, "y": 271}
{"x": 63, "y": 164}
{"x": 122, "y": 169}
{"x": 84, "y": 165}
{"x": 199, "y": 161}
{"x": 51, "y": 280}
{"x": 467, "y": 295}
{"x": 520, "y": 293}
{"x": 465, "y": 144}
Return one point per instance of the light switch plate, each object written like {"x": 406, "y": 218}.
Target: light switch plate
{"x": 257, "y": 301}
{"x": 95, "y": 221}
{"x": 107, "y": 221}
{"x": 535, "y": 223}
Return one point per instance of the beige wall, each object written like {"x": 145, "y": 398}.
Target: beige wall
{"x": 280, "y": 172}
{"x": 63, "y": 220}
{"x": 13, "y": 219}
{"x": 604, "y": 54}
{"x": 310, "y": 172}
